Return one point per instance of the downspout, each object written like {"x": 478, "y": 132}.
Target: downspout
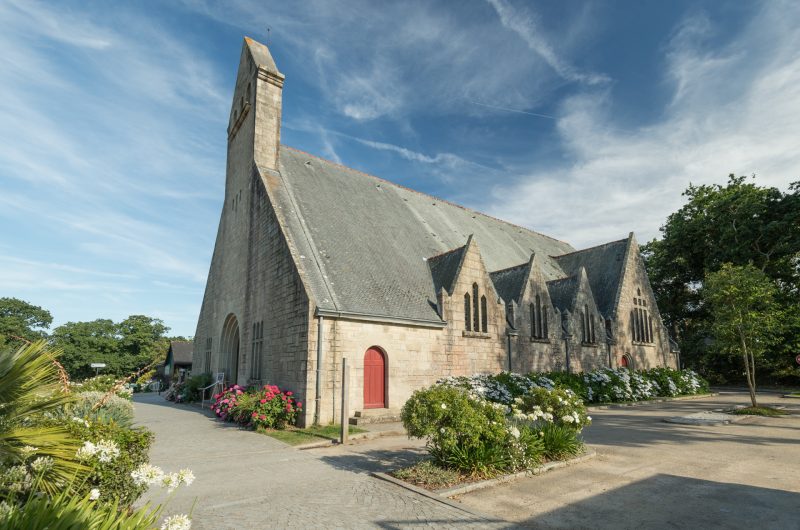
{"x": 508, "y": 340}
{"x": 318, "y": 398}
{"x": 566, "y": 350}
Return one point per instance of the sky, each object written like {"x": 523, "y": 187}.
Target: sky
{"x": 581, "y": 120}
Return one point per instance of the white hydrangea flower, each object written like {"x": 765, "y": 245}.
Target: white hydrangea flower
{"x": 444, "y": 405}
{"x": 177, "y": 522}
{"x": 514, "y": 432}
{"x": 567, "y": 419}
{"x": 94, "y": 494}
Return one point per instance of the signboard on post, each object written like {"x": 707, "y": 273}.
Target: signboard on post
{"x": 97, "y": 367}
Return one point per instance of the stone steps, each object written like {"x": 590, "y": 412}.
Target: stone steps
{"x": 361, "y": 417}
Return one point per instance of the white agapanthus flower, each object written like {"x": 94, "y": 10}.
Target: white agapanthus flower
{"x": 94, "y": 494}
{"x": 80, "y": 420}
{"x": 186, "y": 476}
{"x": 177, "y": 522}
{"x": 42, "y": 464}
{"x": 514, "y": 432}
{"x": 104, "y": 450}
{"x": 147, "y": 474}
{"x": 444, "y": 405}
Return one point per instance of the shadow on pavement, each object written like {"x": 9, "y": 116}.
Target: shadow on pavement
{"x": 668, "y": 501}
{"x": 375, "y": 460}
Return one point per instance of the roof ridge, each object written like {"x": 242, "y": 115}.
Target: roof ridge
{"x": 590, "y": 248}
{"x": 423, "y": 194}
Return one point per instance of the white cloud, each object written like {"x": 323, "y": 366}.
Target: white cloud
{"x": 528, "y": 27}
{"x": 735, "y": 109}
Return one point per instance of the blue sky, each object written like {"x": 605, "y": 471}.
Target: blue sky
{"x": 582, "y": 120}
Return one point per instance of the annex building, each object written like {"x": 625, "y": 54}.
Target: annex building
{"x": 315, "y": 262}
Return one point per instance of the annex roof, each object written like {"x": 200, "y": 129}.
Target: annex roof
{"x": 181, "y": 352}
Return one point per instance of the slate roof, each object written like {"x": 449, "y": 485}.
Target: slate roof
{"x": 444, "y": 268}
{"x": 562, "y": 292}
{"x": 181, "y": 352}
{"x": 363, "y": 243}
{"x": 510, "y": 282}
{"x": 604, "y": 268}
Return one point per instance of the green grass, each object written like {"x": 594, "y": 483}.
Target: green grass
{"x": 760, "y": 411}
{"x": 316, "y": 433}
{"x": 428, "y": 475}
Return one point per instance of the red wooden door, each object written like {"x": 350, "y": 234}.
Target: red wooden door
{"x": 624, "y": 361}
{"x": 374, "y": 379}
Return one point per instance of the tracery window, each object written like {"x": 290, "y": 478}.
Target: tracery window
{"x": 476, "y": 321}
{"x": 588, "y": 333}
{"x": 641, "y": 320}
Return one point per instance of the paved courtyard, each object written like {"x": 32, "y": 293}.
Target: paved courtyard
{"x": 248, "y": 480}
{"x": 647, "y": 474}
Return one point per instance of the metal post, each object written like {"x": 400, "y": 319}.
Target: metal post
{"x": 566, "y": 349}
{"x": 318, "y": 398}
{"x": 345, "y": 428}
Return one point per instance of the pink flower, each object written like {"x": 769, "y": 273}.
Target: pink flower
{"x": 289, "y": 393}
{"x": 263, "y": 401}
{"x": 263, "y": 418}
{"x": 253, "y": 415}
{"x": 299, "y": 404}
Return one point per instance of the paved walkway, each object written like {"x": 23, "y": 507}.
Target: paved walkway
{"x": 653, "y": 474}
{"x": 248, "y": 480}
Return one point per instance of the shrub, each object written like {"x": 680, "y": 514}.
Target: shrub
{"x": 560, "y": 441}
{"x": 665, "y": 378}
{"x": 266, "y": 407}
{"x": 114, "y": 409}
{"x": 463, "y": 431}
{"x": 113, "y": 478}
{"x": 193, "y": 386}
{"x": 103, "y": 384}
{"x": 189, "y": 390}
{"x": 560, "y": 406}
{"x": 574, "y": 382}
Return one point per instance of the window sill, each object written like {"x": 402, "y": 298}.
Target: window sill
{"x": 648, "y": 344}
{"x": 542, "y": 341}
{"x": 590, "y": 344}
{"x": 475, "y": 335}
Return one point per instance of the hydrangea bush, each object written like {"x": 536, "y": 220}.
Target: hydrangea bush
{"x": 559, "y": 406}
{"x": 265, "y": 407}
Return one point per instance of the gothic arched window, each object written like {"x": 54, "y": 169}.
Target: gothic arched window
{"x": 467, "y": 312}
{"x": 484, "y": 314}
{"x": 476, "y": 319}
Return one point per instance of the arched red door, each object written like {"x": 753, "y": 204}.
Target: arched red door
{"x": 374, "y": 379}
{"x": 624, "y": 363}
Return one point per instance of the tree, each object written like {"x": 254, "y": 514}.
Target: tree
{"x": 739, "y": 223}
{"x": 18, "y": 318}
{"x": 746, "y": 317}
{"x": 124, "y": 347}
{"x": 84, "y": 343}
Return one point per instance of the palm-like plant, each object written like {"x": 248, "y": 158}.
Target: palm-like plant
{"x": 30, "y": 390}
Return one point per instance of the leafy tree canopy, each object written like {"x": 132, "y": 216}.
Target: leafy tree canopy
{"x": 739, "y": 223}
{"x": 21, "y": 319}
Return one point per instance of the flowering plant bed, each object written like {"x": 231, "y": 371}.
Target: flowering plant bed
{"x": 267, "y": 407}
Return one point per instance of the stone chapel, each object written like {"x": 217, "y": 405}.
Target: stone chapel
{"x": 315, "y": 262}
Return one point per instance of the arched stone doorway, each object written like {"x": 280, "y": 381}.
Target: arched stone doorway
{"x": 230, "y": 349}
{"x": 626, "y": 362}
{"x": 374, "y": 379}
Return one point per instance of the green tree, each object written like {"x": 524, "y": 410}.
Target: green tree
{"x": 124, "y": 347}
{"x": 84, "y": 343}
{"x": 18, "y": 318}
{"x": 746, "y": 318}
{"x": 739, "y": 223}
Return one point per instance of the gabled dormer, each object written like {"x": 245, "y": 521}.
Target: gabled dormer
{"x": 466, "y": 296}
{"x": 581, "y": 319}
{"x": 528, "y": 306}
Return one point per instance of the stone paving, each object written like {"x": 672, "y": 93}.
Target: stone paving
{"x": 247, "y": 480}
